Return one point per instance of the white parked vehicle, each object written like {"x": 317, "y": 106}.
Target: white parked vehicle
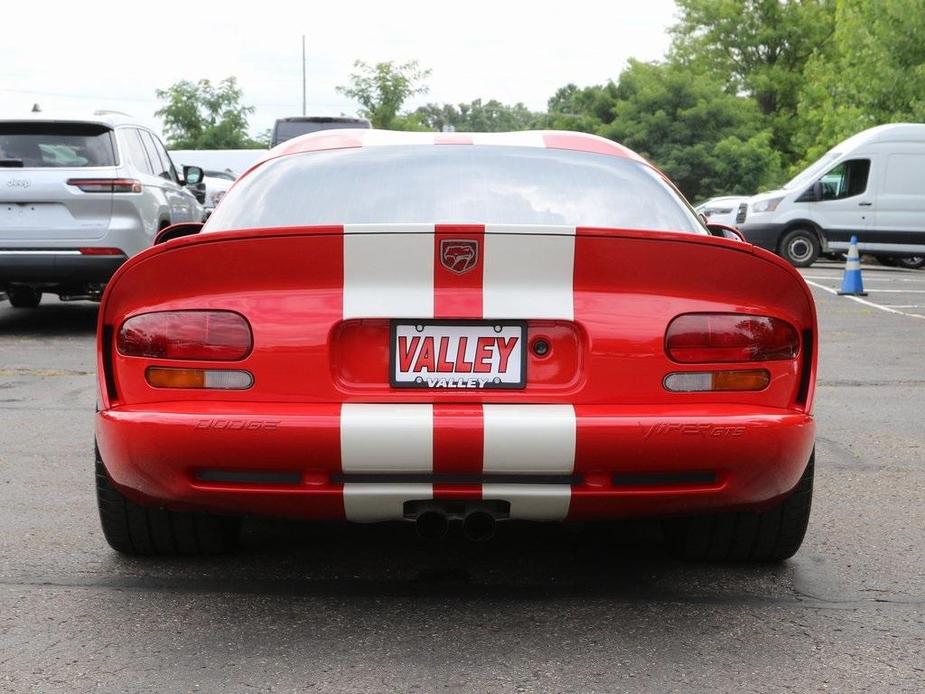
{"x": 217, "y": 184}
{"x": 78, "y": 197}
{"x": 871, "y": 186}
{"x": 721, "y": 210}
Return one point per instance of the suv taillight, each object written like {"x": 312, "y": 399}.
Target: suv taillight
{"x": 190, "y": 335}
{"x": 106, "y": 185}
{"x": 709, "y": 338}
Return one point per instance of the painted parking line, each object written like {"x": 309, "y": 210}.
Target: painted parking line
{"x": 869, "y": 278}
{"x": 865, "y": 302}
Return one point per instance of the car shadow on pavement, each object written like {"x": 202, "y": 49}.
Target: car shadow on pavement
{"x": 622, "y": 561}
{"x": 58, "y": 319}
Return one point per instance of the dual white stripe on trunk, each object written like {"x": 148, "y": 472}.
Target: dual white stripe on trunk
{"x": 528, "y": 271}
{"x": 518, "y": 439}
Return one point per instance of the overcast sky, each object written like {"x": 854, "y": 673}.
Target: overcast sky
{"x": 84, "y": 56}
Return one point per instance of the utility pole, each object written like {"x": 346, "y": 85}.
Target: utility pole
{"x": 303, "y": 74}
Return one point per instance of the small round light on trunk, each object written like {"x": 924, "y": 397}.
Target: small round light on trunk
{"x": 540, "y": 347}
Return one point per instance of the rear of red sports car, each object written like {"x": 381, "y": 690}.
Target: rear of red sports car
{"x": 380, "y": 327}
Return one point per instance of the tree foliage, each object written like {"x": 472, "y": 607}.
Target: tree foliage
{"x": 383, "y": 88}
{"x": 584, "y": 109}
{"x": 490, "y": 117}
{"x": 687, "y": 125}
{"x": 757, "y": 47}
{"x": 874, "y": 74}
{"x": 200, "y": 115}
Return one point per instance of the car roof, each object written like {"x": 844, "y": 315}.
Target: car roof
{"x": 102, "y": 117}
{"x": 355, "y": 138}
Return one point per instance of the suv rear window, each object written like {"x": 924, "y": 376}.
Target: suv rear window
{"x": 49, "y": 145}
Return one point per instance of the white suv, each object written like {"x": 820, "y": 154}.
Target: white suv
{"x": 78, "y": 197}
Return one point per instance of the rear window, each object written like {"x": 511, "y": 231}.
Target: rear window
{"x": 48, "y": 145}
{"x": 454, "y": 184}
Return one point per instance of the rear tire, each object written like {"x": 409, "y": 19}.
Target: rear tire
{"x": 800, "y": 247}
{"x": 138, "y": 530}
{"x": 913, "y": 263}
{"x": 24, "y": 297}
{"x": 769, "y": 536}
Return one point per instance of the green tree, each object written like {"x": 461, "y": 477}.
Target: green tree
{"x": 756, "y": 47}
{"x": 707, "y": 140}
{"x": 874, "y": 74}
{"x": 200, "y": 115}
{"x": 584, "y": 109}
{"x": 382, "y": 90}
{"x": 491, "y": 116}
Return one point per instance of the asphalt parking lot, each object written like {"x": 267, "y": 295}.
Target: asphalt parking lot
{"x": 539, "y": 608}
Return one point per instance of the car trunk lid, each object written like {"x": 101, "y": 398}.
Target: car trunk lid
{"x": 328, "y": 304}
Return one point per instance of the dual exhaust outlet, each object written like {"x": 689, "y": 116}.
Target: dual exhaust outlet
{"x": 477, "y": 525}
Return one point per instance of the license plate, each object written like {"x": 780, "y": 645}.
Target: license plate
{"x": 467, "y": 355}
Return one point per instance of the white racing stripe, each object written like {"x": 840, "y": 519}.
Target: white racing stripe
{"x": 529, "y": 272}
{"x": 530, "y": 439}
{"x": 538, "y": 502}
{"x": 372, "y": 503}
{"x": 388, "y": 273}
{"x": 379, "y": 138}
{"x": 385, "y": 439}
{"x": 516, "y": 139}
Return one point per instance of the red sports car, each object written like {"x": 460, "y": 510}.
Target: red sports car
{"x": 456, "y": 329}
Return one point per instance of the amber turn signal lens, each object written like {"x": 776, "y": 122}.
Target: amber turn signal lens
{"x": 175, "y": 378}
{"x": 214, "y": 379}
{"x": 705, "y": 381}
{"x": 741, "y": 380}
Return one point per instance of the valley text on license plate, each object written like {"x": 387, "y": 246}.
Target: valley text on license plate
{"x": 458, "y": 354}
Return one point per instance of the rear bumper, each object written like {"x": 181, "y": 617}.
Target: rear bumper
{"x": 307, "y": 460}
{"x": 62, "y": 266}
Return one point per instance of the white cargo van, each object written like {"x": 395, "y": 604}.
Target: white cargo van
{"x": 871, "y": 186}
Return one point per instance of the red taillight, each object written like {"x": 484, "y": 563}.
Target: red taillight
{"x": 699, "y": 338}
{"x": 106, "y": 185}
{"x": 100, "y": 251}
{"x": 194, "y": 335}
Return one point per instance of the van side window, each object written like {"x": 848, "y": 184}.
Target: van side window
{"x": 846, "y": 180}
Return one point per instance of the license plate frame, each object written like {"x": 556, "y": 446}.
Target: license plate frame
{"x": 489, "y": 328}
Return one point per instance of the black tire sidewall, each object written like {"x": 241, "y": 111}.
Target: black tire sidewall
{"x": 908, "y": 264}
{"x": 23, "y": 297}
{"x": 801, "y": 260}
